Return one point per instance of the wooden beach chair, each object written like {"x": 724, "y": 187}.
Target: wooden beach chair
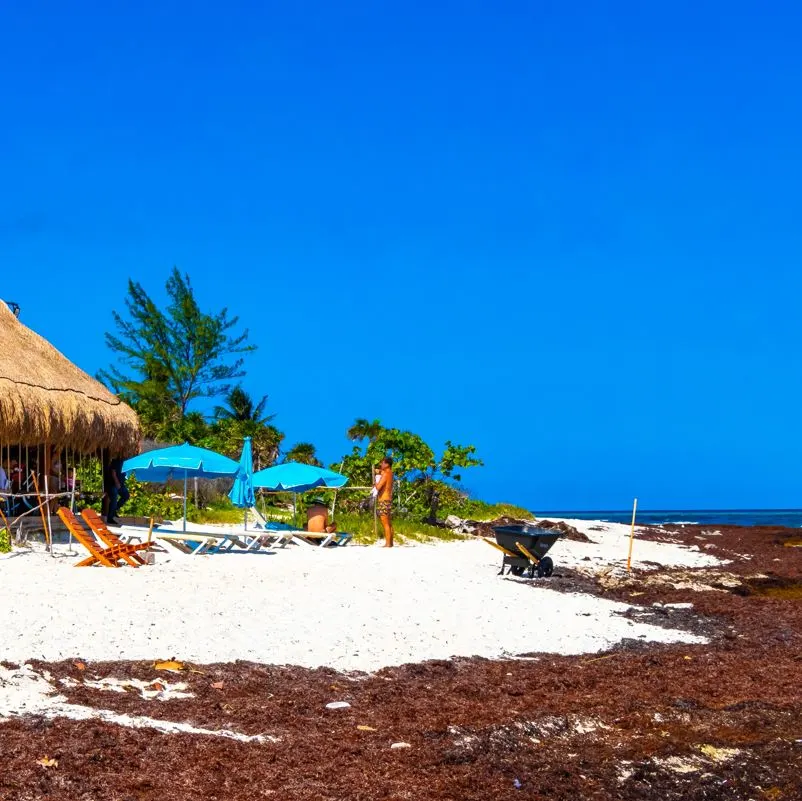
{"x": 108, "y": 557}
{"x": 111, "y": 540}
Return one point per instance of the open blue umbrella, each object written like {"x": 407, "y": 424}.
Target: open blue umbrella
{"x": 241, "y": 494}
{"x": 180, "y": 461}
{"x": 296, "y": 477}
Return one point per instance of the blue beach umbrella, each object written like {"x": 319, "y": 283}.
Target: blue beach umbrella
{"x": 180, "y": 461}
{"x": 241, "y": 494}
{"x": 296, "y": 477}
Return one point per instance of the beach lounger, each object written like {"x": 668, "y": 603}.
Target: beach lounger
{"x": 267, "y": 533}
{"x": 108, "y": 557}
{"x": 110, "y": 539}
{"x": 321, "y": 539}
{"x": 195, "y": 543}
{"x": 271, "y": 534}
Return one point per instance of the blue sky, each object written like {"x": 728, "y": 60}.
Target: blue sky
{"x": 565, "y": 232}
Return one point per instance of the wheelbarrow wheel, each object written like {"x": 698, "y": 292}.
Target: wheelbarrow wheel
{"x": 545, "y": 567}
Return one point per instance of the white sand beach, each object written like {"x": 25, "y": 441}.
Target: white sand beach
{"x": 352, "y": 608}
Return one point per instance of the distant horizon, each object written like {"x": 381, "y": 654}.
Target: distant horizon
{"x": 677, "y": 509}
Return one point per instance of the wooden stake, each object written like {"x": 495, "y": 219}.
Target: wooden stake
{"x": 72, "y": 503}
{"x": 632, "y": 535}
{"x": 41, "y": 508}
{"x": 49, "y": 522}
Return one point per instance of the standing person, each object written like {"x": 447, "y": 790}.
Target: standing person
{"x": 114, "y": 485}
{"x": 385, "y": 499}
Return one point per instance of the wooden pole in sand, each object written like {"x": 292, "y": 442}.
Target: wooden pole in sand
{"x": 72, "y": 504}
{"x": 632, "y": 536}
{"x": 49, "y": 523}
{"x": 41, "y": 510}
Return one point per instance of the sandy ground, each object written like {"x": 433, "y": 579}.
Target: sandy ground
{"x": 349, "y": 608}
{"x": 702, "y": 721}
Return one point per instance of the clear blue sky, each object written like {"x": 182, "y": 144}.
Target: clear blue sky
{"x": 567, "y": 232}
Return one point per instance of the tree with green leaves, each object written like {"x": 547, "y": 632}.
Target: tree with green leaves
{"x": 364, "y": 429}
{"x": 303, "y": 452}
{"x": 422, "y": 476}
{"x": 226, "y": 436}
{"x": 239, "y": 405}
{"x": 241, "y": 417}
{"x": 183, "y": 352}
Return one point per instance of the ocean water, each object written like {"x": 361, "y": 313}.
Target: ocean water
{"x": 792, "y": 518}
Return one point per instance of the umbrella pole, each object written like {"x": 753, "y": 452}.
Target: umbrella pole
{"x": 185, "y": 500}
{"x": 295, "y": 508}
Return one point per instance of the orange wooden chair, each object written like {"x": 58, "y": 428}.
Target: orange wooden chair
{"x": 111, "y": 540}
{"x": 108, "y": 557}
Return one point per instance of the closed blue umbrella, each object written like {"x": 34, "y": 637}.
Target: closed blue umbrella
{"x": 296, "y": 477}
{"x": 180, "y": 461}
{"x": 241, "y": 494}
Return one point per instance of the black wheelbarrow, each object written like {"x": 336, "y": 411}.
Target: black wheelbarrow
{"x": 525, "y": 549}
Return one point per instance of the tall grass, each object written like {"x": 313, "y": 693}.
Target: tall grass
{"x": 361, "y": 527}
{"x": 485, "y": 512}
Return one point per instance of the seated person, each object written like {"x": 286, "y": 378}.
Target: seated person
{"x": 17, "y": 476}
{"x": 317, "y": 518}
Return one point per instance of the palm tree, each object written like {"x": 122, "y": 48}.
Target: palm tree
{"x": 303, "y": 452}
{"x": 240, "y": 406}
{"x": 364, "y": 429}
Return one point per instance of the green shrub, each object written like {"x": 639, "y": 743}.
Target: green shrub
{"x": 361, "y": 527}
{"x": 485, "y": 512}
{"x": 5, "y": 540}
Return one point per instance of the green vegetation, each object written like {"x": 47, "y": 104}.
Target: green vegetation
{"x": 303, "y": 452}
{"x": 426, "y": 482}
{"x": 361, "y": 526}
{"x": 167, "y": 360}
{"x": 173, "y": 356}
{"x": 218, "y": 514}
{"x": 5, "y": 540}
{"x": 485, "y": 512}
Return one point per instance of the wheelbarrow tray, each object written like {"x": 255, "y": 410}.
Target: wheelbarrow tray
{"x": 534, "y": 539}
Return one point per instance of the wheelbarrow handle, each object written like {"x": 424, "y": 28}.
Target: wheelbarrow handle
{"x": 528, "y": 554}
{"x": 500, "y": 548}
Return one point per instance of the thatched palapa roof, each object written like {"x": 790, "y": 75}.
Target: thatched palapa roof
{"x": 45, "y": 398}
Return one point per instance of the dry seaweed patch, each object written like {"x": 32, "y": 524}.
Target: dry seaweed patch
{"x": 609, "y": 726}
{"x": 719, "y": 721}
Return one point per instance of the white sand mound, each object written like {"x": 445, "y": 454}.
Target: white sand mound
{"x": 349, "y": 608}
{"x": 610, "y": 546}
{"x": 23, "y": 692}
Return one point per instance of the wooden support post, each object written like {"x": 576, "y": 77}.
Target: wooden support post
{"x": 41, "y": 507}
{"x": 632, "y": 535}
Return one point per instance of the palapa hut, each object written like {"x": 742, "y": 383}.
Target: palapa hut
{"x": 47, "y": 402}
